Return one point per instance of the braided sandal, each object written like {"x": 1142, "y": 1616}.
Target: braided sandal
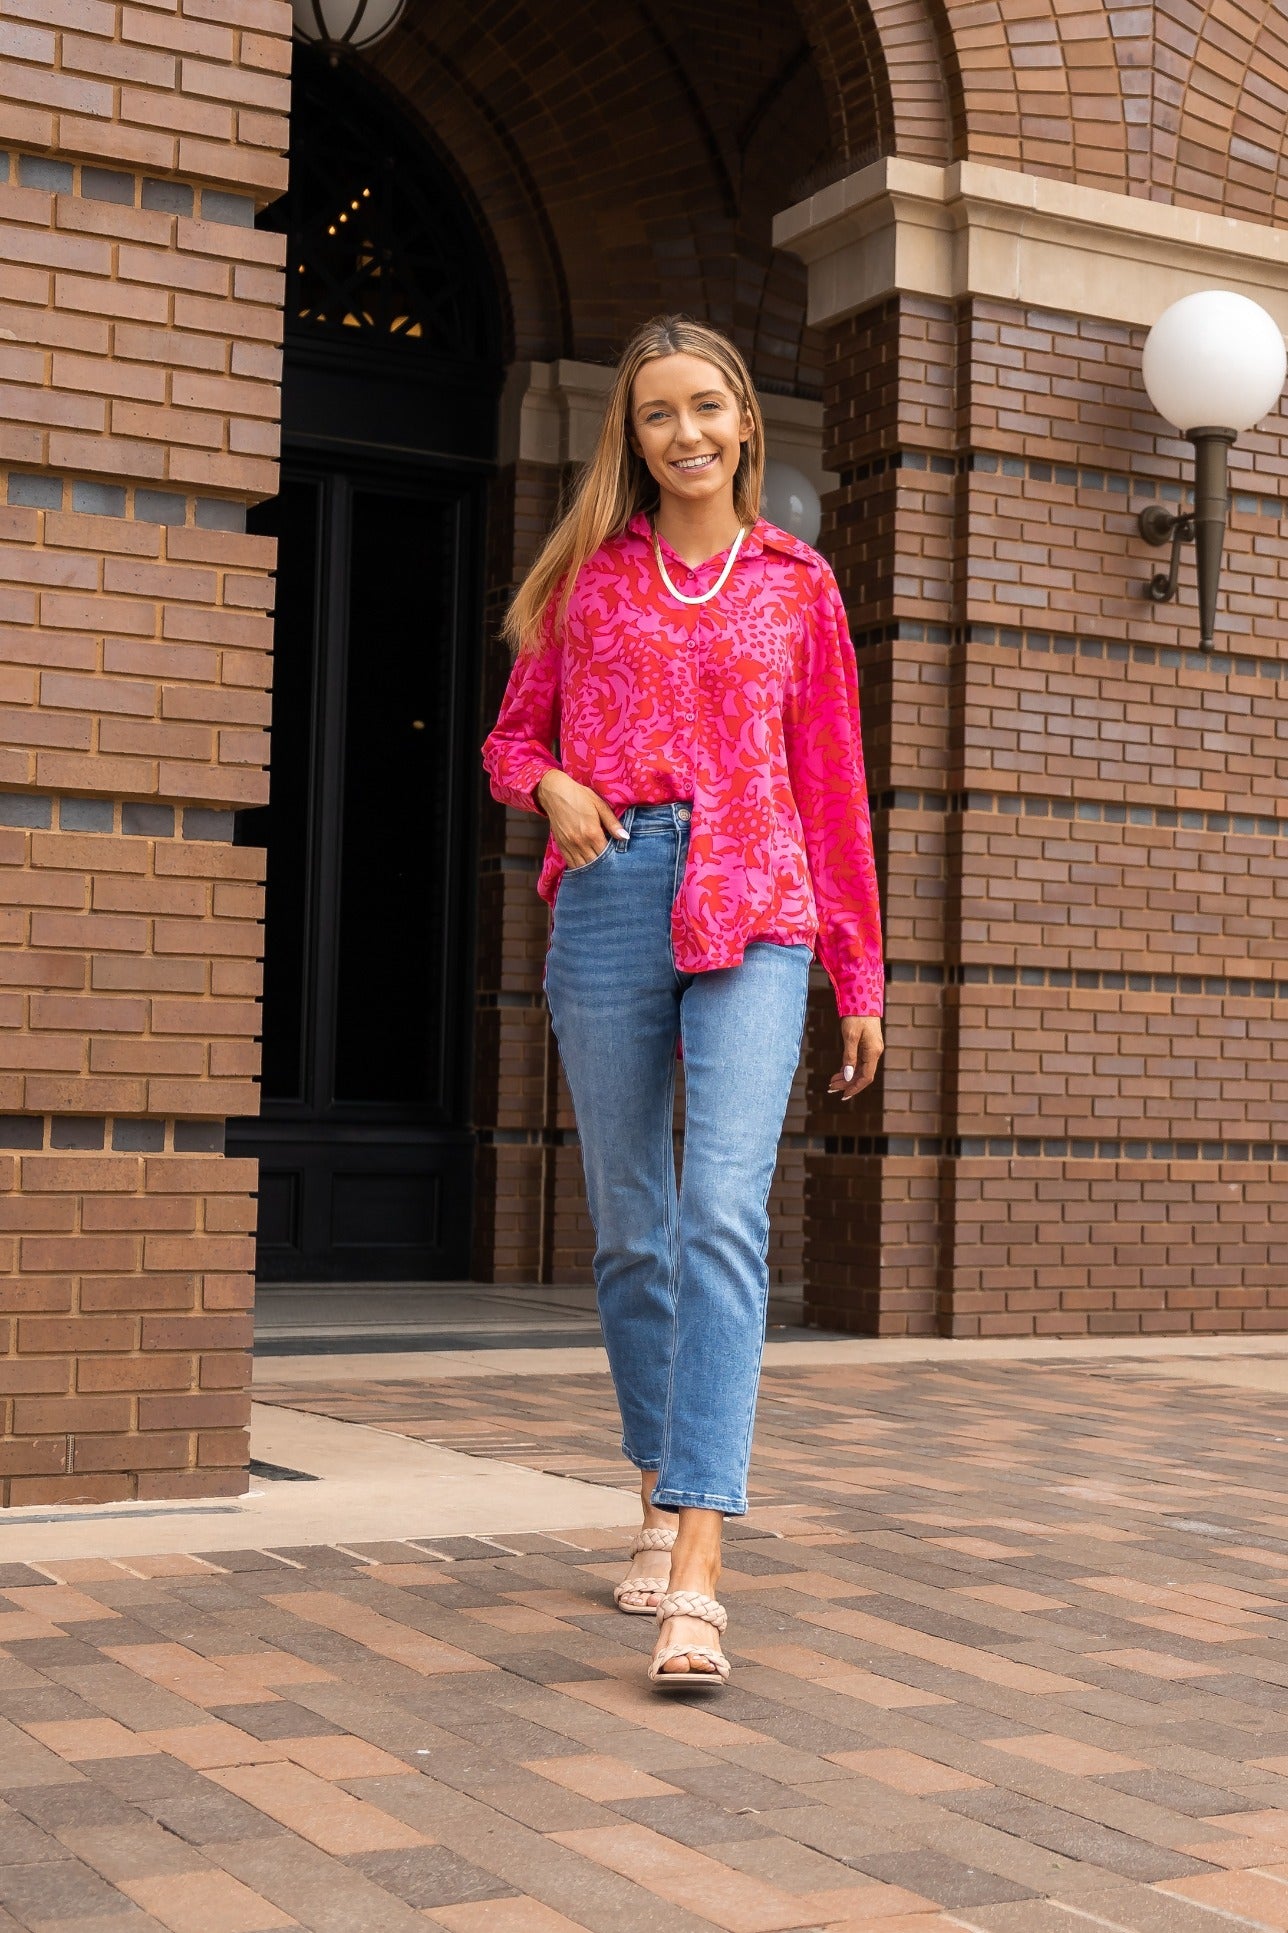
{"x": 691, "y": 1604}
{"x": 638, "y": 1587}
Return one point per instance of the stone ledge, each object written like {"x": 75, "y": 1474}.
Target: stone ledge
{"x": 970, "y": 229}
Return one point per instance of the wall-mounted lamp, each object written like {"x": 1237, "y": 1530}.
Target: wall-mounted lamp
{"x": 1216, "y": 360}
{"x": 344, "y": 26}
{"x": 790, "y": 500}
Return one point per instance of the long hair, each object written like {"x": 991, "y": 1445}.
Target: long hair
{"x": 616, "y": 482}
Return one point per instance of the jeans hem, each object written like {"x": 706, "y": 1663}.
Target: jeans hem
{"x": 642, "y": 1462}
{"x": 694, "y": 1500}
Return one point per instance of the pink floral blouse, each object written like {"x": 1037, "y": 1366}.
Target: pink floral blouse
{"x": 748, "y": 706}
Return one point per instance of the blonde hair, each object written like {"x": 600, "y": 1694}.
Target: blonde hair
{"x": 616, "y": 482}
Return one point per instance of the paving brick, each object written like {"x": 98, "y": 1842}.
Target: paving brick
{"x": 279, "y": 1720}
{"x": 986, "y": 1801}
{"x": 318, "y": 1811}
{"x": 204, "y": 1902}
{"x": 323, "y": 1892}
{"x": 55, "y": 1889}
{"x": 428, "y": 1876}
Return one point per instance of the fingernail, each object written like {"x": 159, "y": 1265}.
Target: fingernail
{"x": 848, "y": 1073}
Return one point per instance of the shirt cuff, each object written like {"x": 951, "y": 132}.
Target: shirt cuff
{"x": 859, "y": 988}
{"x": 522, "y": 781}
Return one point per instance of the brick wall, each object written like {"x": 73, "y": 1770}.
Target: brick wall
{"x": 139, "y": 371}
{"x": 1018, "y": 694}
{"x": 124, "y": 1314}
{"x": 1082, "y": 825}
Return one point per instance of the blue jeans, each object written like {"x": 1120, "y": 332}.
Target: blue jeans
{"x": 682, "y": 1278}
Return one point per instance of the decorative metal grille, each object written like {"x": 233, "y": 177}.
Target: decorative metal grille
{"x": 379, "y": 244}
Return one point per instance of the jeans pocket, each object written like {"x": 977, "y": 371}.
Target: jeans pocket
{"x": 575, "y": 872}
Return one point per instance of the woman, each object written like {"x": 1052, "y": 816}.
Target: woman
{"x": 708, "y": 828}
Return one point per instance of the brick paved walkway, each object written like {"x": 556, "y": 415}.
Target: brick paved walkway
{"x": 1008, "y": 1657}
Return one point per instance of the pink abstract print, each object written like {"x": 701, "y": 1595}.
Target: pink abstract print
{"x": 749, "y": 707}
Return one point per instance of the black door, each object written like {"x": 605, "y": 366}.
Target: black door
{"x": 390, "y": 385}
{"x": 365, "y": 1162}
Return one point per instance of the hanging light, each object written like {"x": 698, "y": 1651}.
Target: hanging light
{"x": 344, "y": 26}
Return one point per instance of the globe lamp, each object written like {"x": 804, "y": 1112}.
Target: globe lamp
{"x": 1214, "y": 364}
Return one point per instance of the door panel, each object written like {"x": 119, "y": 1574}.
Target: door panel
{"x": 396, "y": 835}
{"x": 366, "y": 1158}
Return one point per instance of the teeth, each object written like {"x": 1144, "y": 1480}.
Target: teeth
{"x": 694, "y": 462}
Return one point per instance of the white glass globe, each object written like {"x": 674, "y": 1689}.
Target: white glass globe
{"x": 1214, "y": 360}
{"x": 790, "y": 500}
{"x": 335, "y": 22}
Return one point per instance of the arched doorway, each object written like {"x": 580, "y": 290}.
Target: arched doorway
{"x": 391, "y": 380}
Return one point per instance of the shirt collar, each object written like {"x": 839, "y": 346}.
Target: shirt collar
{"x": 761, "y": 537}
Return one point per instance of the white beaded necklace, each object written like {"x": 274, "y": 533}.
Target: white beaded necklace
{"x": 720, "y": 582}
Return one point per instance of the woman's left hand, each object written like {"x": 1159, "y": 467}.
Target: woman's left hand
{"x": 862, "y": 1046}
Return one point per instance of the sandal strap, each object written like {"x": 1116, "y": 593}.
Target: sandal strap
{"x": 653, "y": 1538}
{"x": 693, "y": 1604}
{"x": 716, "y": 1659}
{"x": 638, "y": 1587}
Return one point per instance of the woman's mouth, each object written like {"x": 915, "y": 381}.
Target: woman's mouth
{"x": 694, "y": 465}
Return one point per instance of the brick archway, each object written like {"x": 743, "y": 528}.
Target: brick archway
{"x": 889, "y": 73}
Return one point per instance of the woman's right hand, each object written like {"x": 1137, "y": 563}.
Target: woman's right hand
{"x": 582, "y": 822}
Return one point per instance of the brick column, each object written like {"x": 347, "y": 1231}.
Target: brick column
{"x": 514, "y": 1098}
{"x": 139, "y": 318}
{"x": 1080, "y": 817}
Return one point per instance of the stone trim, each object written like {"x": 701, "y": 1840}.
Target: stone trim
{"x": 94, "y": 1133}
{"x": 972, "y": 229}
{"x": 1015, "y": 805}
{"x": 1102, "y": 980}
{"x": 166, "y": 197}
{"x": 131, "y": 818}
{"x": 90, "y": 497}
{"x": 1117, "y": 483}
{"x": 1011, "y": 1147}
{"x": 1211, "y": 664}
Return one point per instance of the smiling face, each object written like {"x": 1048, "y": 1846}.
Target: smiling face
{"x": 688, "y": 426}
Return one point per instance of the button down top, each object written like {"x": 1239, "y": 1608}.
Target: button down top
{"x": 747, "y": 706}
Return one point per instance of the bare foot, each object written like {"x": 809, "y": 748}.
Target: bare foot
{"x": 688, "y": 1575}
{"x": 655, "y": 1564}
{"x": 688, "y": 1631}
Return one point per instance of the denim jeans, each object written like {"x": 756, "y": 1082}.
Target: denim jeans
{"x": 681, "y": 1276}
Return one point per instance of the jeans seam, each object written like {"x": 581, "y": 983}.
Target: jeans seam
{"x": 764, "y": 1257}
{"x": 671, "y": 1231}
{"x": 677, "y": 880}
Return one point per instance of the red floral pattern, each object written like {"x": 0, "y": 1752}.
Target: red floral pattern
{"x": 749, "y": 707}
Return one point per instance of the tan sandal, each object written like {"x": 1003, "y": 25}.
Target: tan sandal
{"x": 691, "y": 1604}
{"x": 643, "y": 1587}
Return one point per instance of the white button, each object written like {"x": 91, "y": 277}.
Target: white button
{"x": 682, "y": 814}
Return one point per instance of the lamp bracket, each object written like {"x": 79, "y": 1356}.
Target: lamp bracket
{"x": 1156, "y": 526}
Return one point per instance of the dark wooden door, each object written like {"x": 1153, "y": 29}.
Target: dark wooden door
{"x": 366, "y": 1157}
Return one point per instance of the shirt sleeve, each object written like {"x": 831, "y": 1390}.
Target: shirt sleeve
{"x": 518, "y": 751}
{"x": 825, "y": 761}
